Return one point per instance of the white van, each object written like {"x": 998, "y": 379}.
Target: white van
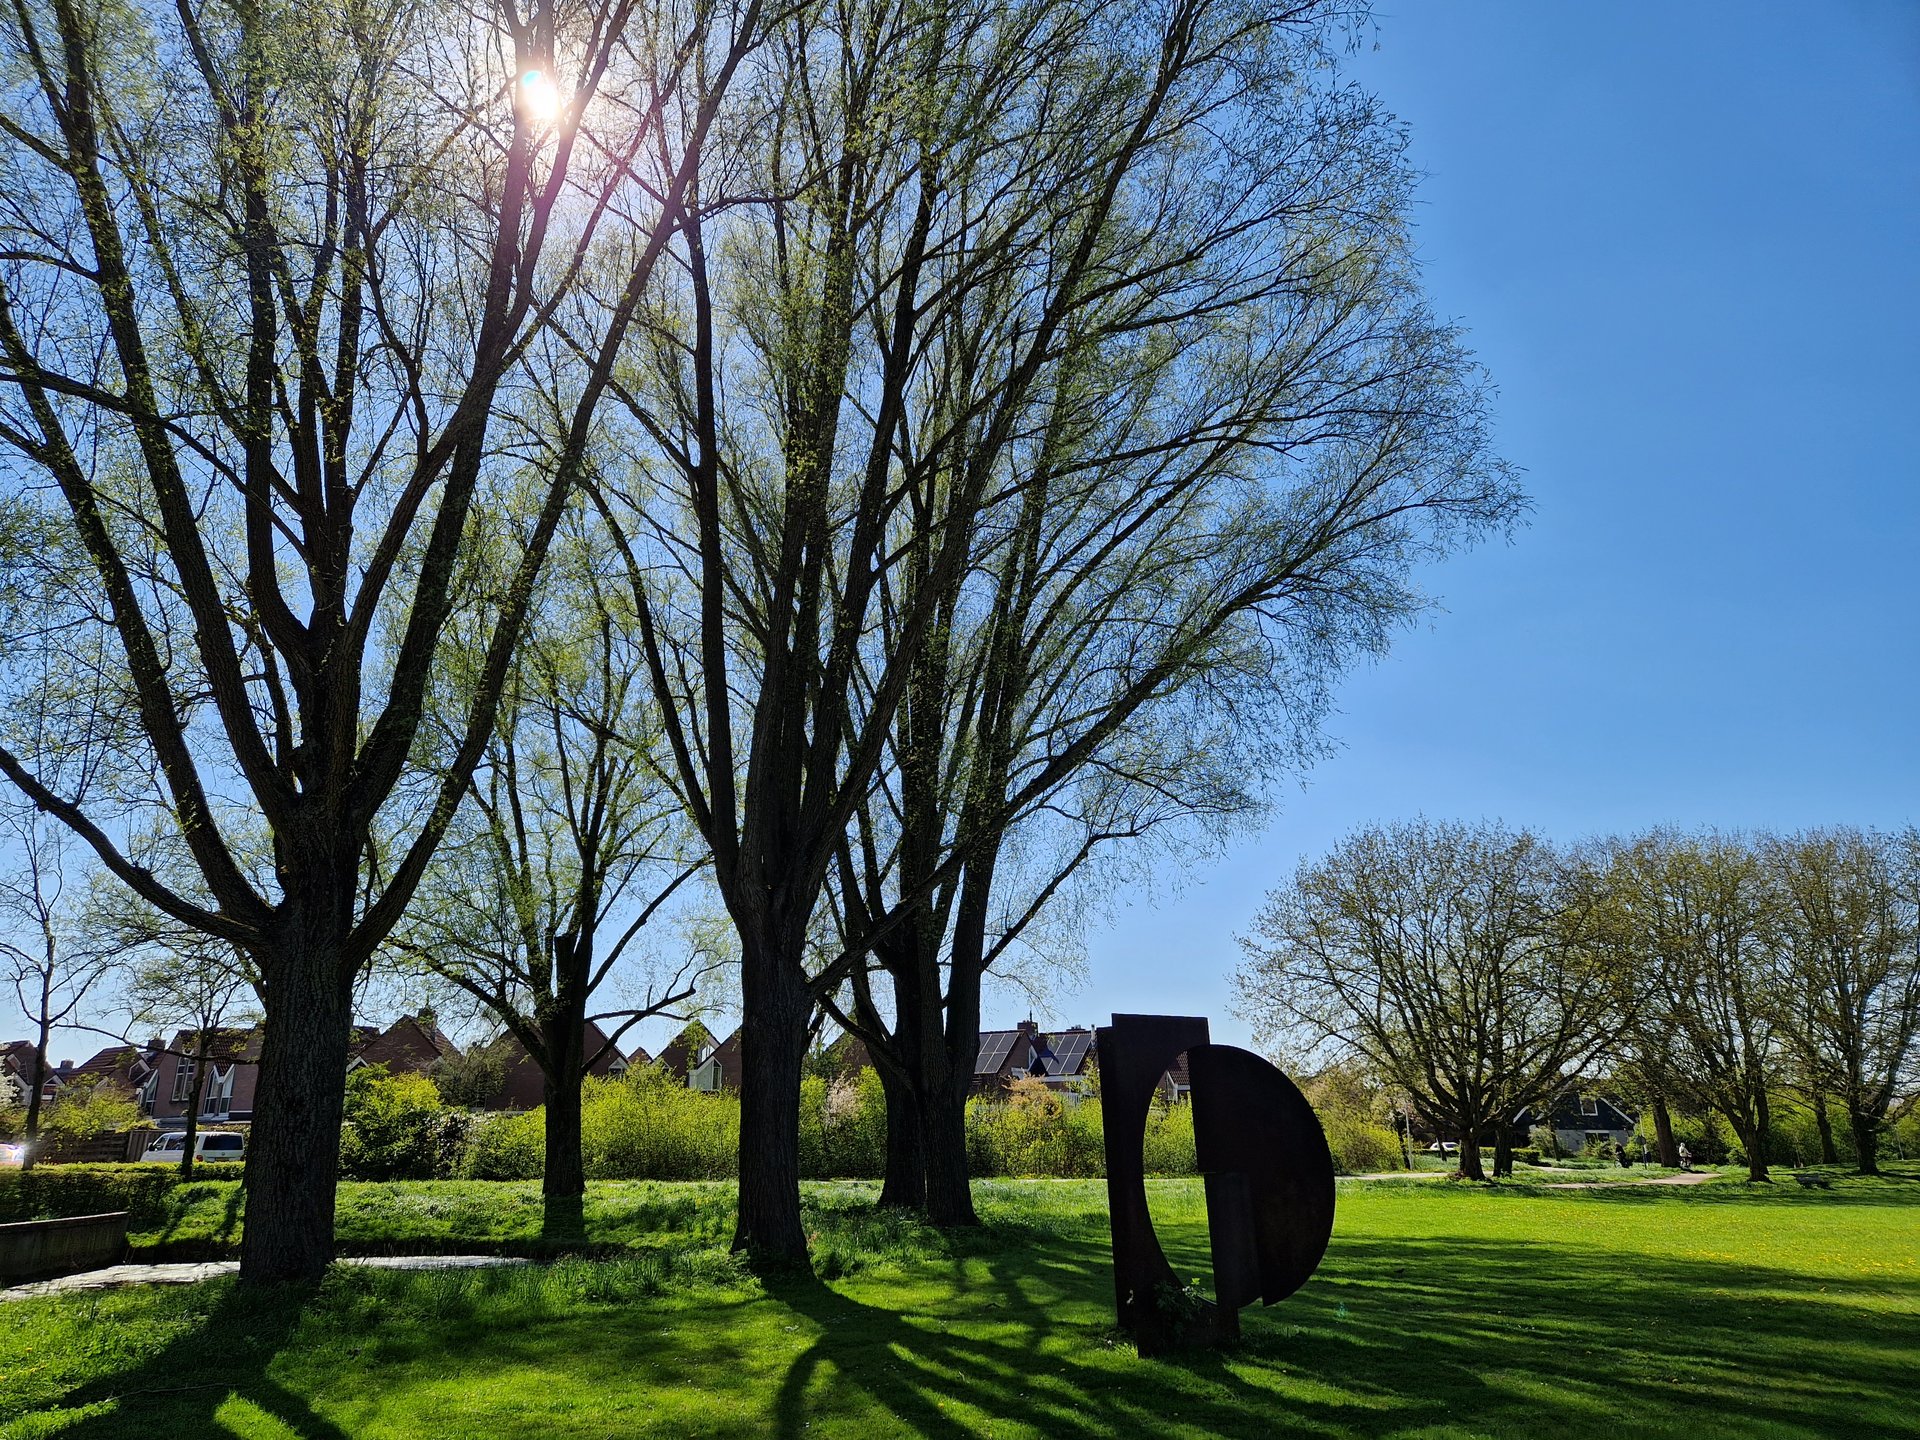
{"x": 207, "y": 1145}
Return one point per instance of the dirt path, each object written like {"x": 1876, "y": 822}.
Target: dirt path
{"x": 115, "y": 1276}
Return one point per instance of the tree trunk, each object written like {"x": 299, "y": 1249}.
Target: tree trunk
{"x": 1502, "y": 1151}
{"x": 947, "y": 1077}
{"x": 1866, "y": 1141}
{"x": 293, "y": 1154}
{"x": 773, "y": 1046}
{"x": 1752, "y": 1141}
{"x": 905, "y": 1185}
{"x": 949, "y": 1187}
{"x": 201, "y": 1046}
{"x": 565, "y": 1174}
{"x": 31, "y": 1129}
{"x": 1470, "y": 1167}
{"x": 1663, "y": 1141}
{"x": 1829, "y": 1152}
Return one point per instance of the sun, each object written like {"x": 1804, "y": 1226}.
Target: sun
{"x": 539, "y": 97}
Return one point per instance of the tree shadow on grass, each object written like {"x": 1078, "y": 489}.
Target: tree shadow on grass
{"x": 220, "y": 1362}
{"x": 1392, "y": 1337}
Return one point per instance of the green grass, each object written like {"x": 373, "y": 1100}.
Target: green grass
{"x": 1442, "y": 1310}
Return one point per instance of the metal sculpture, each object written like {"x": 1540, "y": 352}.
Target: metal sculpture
{"x": 1267, "y": 1170}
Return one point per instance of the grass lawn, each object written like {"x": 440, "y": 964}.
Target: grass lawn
{"x": 1441, "y": 1310}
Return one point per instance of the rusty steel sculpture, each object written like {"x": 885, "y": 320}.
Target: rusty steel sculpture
{"x": 1268, "y": 1175}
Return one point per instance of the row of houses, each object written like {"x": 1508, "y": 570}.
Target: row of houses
{"x": 162, "y": 1076}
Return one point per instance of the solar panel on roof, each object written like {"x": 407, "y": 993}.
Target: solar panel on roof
{"x": 1067, "y": 1054}
{"x": 995, "y": 1045}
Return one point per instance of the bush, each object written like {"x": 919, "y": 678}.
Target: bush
{"x": 52, "y": 1191}
{"x": 854, "y": 1128}
{"x": 650, "y": 1127}
{"x": 1169, "y": 1141}
{"x": 1035, "y": 1132}
{"x": 86, "y": 1112}
{"x": 395, "y": 1128}
{"x": 506, "y": 1147}
{"x": 1360, "y": 1147}
{"x": 466, "y": 1081}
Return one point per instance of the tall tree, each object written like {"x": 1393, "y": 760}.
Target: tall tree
{"x": 1851, "y": 991}
{"x": 273, "y": 279}
{"x": 1441, "y": 953}
{"x": 1701, "y": 917}
{"x": 568, "y": 846}
{"x": 984, "y": 211}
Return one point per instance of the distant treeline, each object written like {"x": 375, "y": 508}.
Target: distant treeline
{"x": 1748, "y": 980}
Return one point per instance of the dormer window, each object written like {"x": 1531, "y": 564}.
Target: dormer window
{"x": 1589, "y": 1105}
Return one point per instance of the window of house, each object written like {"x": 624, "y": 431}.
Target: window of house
{"x": 218, "y": 1097}
{"x": 1589, "y": 1105}
{"x": 183, "y": 1080}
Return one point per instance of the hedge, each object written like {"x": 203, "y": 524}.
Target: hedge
{"x": 52, "y": 1191}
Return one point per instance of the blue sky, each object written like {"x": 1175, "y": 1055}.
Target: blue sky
{"x": 1685, "y": 240}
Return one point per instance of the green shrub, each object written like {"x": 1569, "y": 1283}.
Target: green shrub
{"x": 51, "y": 1191}
{"x": 854, "y": 1128}
{"x": 1035, "y": 1132}
{"x": 650, "y": 1127}
{"x": 1360, "y": 1147}
{"x": 1169, "y": 1141}
{"x": 86, "y": 1112}
{"x": 506, "y": 1147}
{"x": 393, "y": 1127}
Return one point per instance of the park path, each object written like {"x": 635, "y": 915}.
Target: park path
{"x": 115, "y": 1276}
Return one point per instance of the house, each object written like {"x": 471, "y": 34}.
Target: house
{"x": 685, "y": 1053}
{"x": 133, "y": 1068}
{"x": 1060, "y": 1059}
{"x": 1175, "y": 1083}
{"x": 16, "y": 1071}
{"x": 412, "y": 1045}
{"x": 844, "y": 1059}
{"x": 523, "y": 1086}
{"x": 1580, "y": 1120}
{"x": 233, "y": 1075}
{"x": 720, "y": 1070}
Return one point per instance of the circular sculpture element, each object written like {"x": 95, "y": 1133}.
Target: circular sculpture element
{"x": 1268, "y": 1173}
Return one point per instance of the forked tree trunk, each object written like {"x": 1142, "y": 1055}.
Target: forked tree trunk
{"x": 773, "y": 1046}
{"x": 1663, "y": 1141}
{"x": 293, "y": 1159}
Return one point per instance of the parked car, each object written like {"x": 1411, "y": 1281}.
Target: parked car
{"x": 207, "y": 1145}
